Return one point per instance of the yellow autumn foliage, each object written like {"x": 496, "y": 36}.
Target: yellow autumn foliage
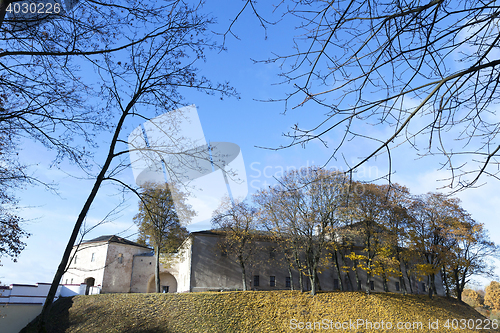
{"x": 250, "y": 312}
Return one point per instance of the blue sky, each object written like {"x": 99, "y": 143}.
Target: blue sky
{"x": 247, "y": 122}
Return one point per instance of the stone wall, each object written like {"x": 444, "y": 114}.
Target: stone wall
{"x": 212, "y": 270}
{"x": 143, "y": 269}
{"x": 119, "y": 262}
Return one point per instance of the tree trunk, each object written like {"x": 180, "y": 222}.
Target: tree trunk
{"x": 243, "y": 275}
{"x": 386, "y": 286}
{"x": 301, "y": 282}
{"x": 157, "y": 269}
{"x": 318, "y": 283}
{"x": 312, "y": 278}
{"x": 338, "y": 270}
{"x": 368, "y": 283}
{"x": 430, "y": 278}
{"x": 358, "y": 281}
{"x": 291, "y": 277}
{"x": 409, "y": 278}
{"x": 81, "y": 217}
{"x": 368, "y": 277}
{"x": 402, "y": 282}
{"x": 461, "y": 285}
{"x": 444, "y": 279}
{"x": 301, "y": 278}
{"x": 455, "y": 275}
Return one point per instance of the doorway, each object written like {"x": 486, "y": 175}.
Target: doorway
{"x": 89, "y": 283}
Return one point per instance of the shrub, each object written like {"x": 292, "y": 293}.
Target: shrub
{"x": 472, "y": 297}
{"x": 492, "y": 295}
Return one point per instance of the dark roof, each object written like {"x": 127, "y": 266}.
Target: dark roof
{"x": 206, "y": 232}
{"x": 145, "y": 254}
{"x": 114, "y": 239}
{"x": 262, "y": 235}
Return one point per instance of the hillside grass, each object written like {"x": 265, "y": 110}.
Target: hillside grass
{"x": 251, "y": 312}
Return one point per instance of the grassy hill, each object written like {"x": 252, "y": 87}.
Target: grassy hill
{"x": 276, "y": 311}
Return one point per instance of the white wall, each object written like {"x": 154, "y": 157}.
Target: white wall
{"x": 73, "y": 289}
{"x": 36, "y": 293}
{"x": 181, "y": 267}
{"x": 84, "y": 267}
{"x": 14, "y": 317}
{"x": 26, "y": 293}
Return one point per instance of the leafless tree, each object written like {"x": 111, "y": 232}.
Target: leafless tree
{"x": 12, "y": 176}
{"x": 140, "y": 82}
{"x": 237, "y": 222}
{"x": 46, "y": 93}
{"x": 421, "y": 74}
{"x": 303, "y": 209}
{"x": 278, "y": 215}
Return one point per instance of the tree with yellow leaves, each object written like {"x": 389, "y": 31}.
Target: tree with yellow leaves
{"x": 161, "y": 208}
{"x": 468, "y": 254}
{"x": 492, "y": 295}
{"x": 430, "y": 233}
{"x": 395, "y": 223}
{"x": 366, "y": 214}
{"x": 472, "y": 297}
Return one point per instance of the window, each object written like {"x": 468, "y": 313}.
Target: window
{"x": 255, "y": 280}
{"x": 71, "y": 281}
{"x": 164, "y": 289}
{"x": 120, "y": 258}
{"x": 423, "y": 287}
{"x": 335, "y": 284}
{"x": 288, "y": 282}
{"x": 372, "y": 285}
{"x": 397, "y": 286}
{"x": 272, "y": 281}
{"x": 272, "y": 254}
{"x": 93, "y": 257}
{"x": 74, "y": 260}
{"x": 66, "y": 281}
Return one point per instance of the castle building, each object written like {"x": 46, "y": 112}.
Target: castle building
{"x": 116, "y": 265}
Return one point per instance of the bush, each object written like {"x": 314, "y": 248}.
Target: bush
{"x": 472, "y": 297}
{"x": 495, "y": 314}
{"x": 492, "y": 296}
